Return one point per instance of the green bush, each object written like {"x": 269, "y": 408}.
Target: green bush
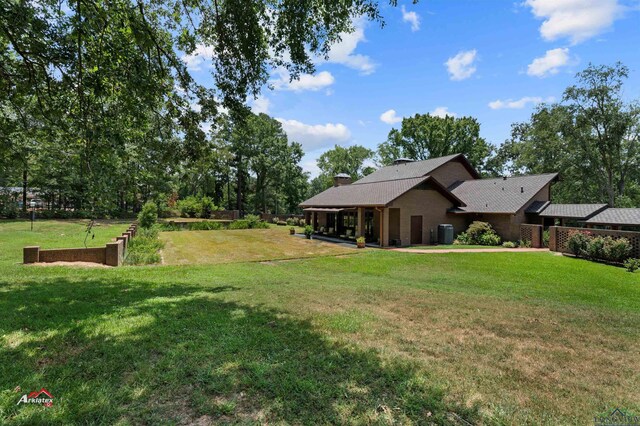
{"x": 143, "y": 249}
{"x": 632, "y": 265}
{"x": 617, "y": 250}
{"x": 525, "y": 243}
{"x": 462, "y": 239}
{"x": 168, "y": 227}
{"x": 189, "y": 207}
{"x": 308, "y": 230}
{"x": 578, "y": 241}
{"x": 480, "y": 233}
{"x": 509, "y": 244}
{"x": 545, "y": 238}
{"x": 585, "y": 244}
{"x": 192, "y": 206}
{"x": 251, "y": 221}
{"x": 148, "y": 216}
{"x": 206, "y": 225}
{"x": 292, "y": 221}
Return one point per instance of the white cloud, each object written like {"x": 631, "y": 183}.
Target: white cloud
{"x": 577, "y": 20}
{"x": 519, "y": 103}
{"x": 199, "y": 56}
{"x": 311, "y": 166}
{"x": 461, "y": 66}
{"x": 343, "y": 51}
{"x": 549, "y": 63}
{"x": 411, "y": 17}
{"x": 314, "y": 136}
{"x": 312, "y": 82}
{"x": 261, "y": 104}
{"x": 442, "y": 112}
{"x": 390, "y": 117}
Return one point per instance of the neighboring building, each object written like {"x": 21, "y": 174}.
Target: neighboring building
{"x": 404, "y": 203}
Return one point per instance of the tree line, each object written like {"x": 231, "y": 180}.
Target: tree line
{"x": 100, "y": 114}
{"x": 591, "y": 137}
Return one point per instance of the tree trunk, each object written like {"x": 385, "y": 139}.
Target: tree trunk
{"x": 24, "y": 189}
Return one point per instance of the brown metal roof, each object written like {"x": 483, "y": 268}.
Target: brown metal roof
{"x": 372, "y": 194}
{"x": 414, "y": 169}
{"x": 500, "y": 195}
{"x": 614, "y": 216}
{"x": 575, "y": 211}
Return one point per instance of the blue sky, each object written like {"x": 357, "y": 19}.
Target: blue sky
{"x": 493, "y": 60}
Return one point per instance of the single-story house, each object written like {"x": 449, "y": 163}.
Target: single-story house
{"x": 624, "y": 219}
{"x": 404, "y": 203}
{"x": 565, "y": 214}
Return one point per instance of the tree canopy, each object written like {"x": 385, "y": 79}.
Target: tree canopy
{"x": 425, "y": 136}
{"x": 592, "y": 138}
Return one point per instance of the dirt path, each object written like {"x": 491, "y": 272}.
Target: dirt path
{"x": 488, "y": 250}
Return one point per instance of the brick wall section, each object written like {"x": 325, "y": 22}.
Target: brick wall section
{"x": 226, "y": 214}
{"x": 94, "y": 255}
{"x": 112, "y": 254}
{"x": 559, "y": 235}
{"x": 532, "y": 233}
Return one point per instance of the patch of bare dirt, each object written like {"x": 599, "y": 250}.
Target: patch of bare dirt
{"x": 76, "y": 264}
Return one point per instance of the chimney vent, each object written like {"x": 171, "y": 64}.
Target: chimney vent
{"x": 399, "y": 161}
{"x": 504, "y": 178}
{"x": 522, "y": 189}
{"x": 341, "y": 179}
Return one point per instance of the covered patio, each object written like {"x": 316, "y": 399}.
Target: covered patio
{"x": 349, "y": 223}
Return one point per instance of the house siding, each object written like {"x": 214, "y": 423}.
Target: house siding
{"x": 451, "y": 172}
{"x": 432, "y": 206}
{"x": 508, "y": 225}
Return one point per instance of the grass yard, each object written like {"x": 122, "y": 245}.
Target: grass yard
{"x": 48, "y": 234}
{"x": 378, "y": 338}
{"x": 244, "y": 245}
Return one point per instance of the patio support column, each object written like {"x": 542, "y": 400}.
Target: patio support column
{"x": 360, "y": 225}
{"x": 313, "y": 220}
{"x": 385, "y": 227}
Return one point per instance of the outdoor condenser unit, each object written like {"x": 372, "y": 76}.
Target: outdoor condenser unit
{"x": 445, "y": 234}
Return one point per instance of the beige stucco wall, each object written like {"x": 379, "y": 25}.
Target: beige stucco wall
{"x": 451, "y": 172}
{"x": 432, "y": 206}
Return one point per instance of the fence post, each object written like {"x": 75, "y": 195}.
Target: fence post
{"x": 114, "y": 253}
{"x": 536, "y": 236}
{"x": 31, "y": 254}
{"x": 553, "y": 238}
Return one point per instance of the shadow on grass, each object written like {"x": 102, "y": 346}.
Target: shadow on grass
{"x": 113, "y": 351}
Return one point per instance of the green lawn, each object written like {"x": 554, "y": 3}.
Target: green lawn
{"x": 244, "y": 245}
{"x": 378, "y": 338}
{"x": 53, "y": 234}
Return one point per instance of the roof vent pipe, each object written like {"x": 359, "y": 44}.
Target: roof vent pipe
{"x": 504, "y": 178}
{"x": 341, "y": 179}
{"x": 522, "y": 189}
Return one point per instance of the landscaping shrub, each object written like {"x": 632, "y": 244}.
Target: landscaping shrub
{"x": 632, "y": 265}
{"x": 578, "y": 241}
{"x": 206, "y": 225}
{"x": 189, "y": 207}
{"x": 617, "y": 250}
{"x": 275, "y": 220}
{"x": 462, "y": 239}
{"x": 168, "y": 227}
{"x": 143, "y": 249}
{"x": 525, "y": 243}
{"x": 480, "y": 233}
{"x": 545, "y": 238}
{"x": 196, "y": 207}
{"x": 509, "y": 244}
{"x": 148, "y": 216}
{"x": 251, "y": 221}
{"x": 292, "y": 221}
{"x": 585, "y": 244}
